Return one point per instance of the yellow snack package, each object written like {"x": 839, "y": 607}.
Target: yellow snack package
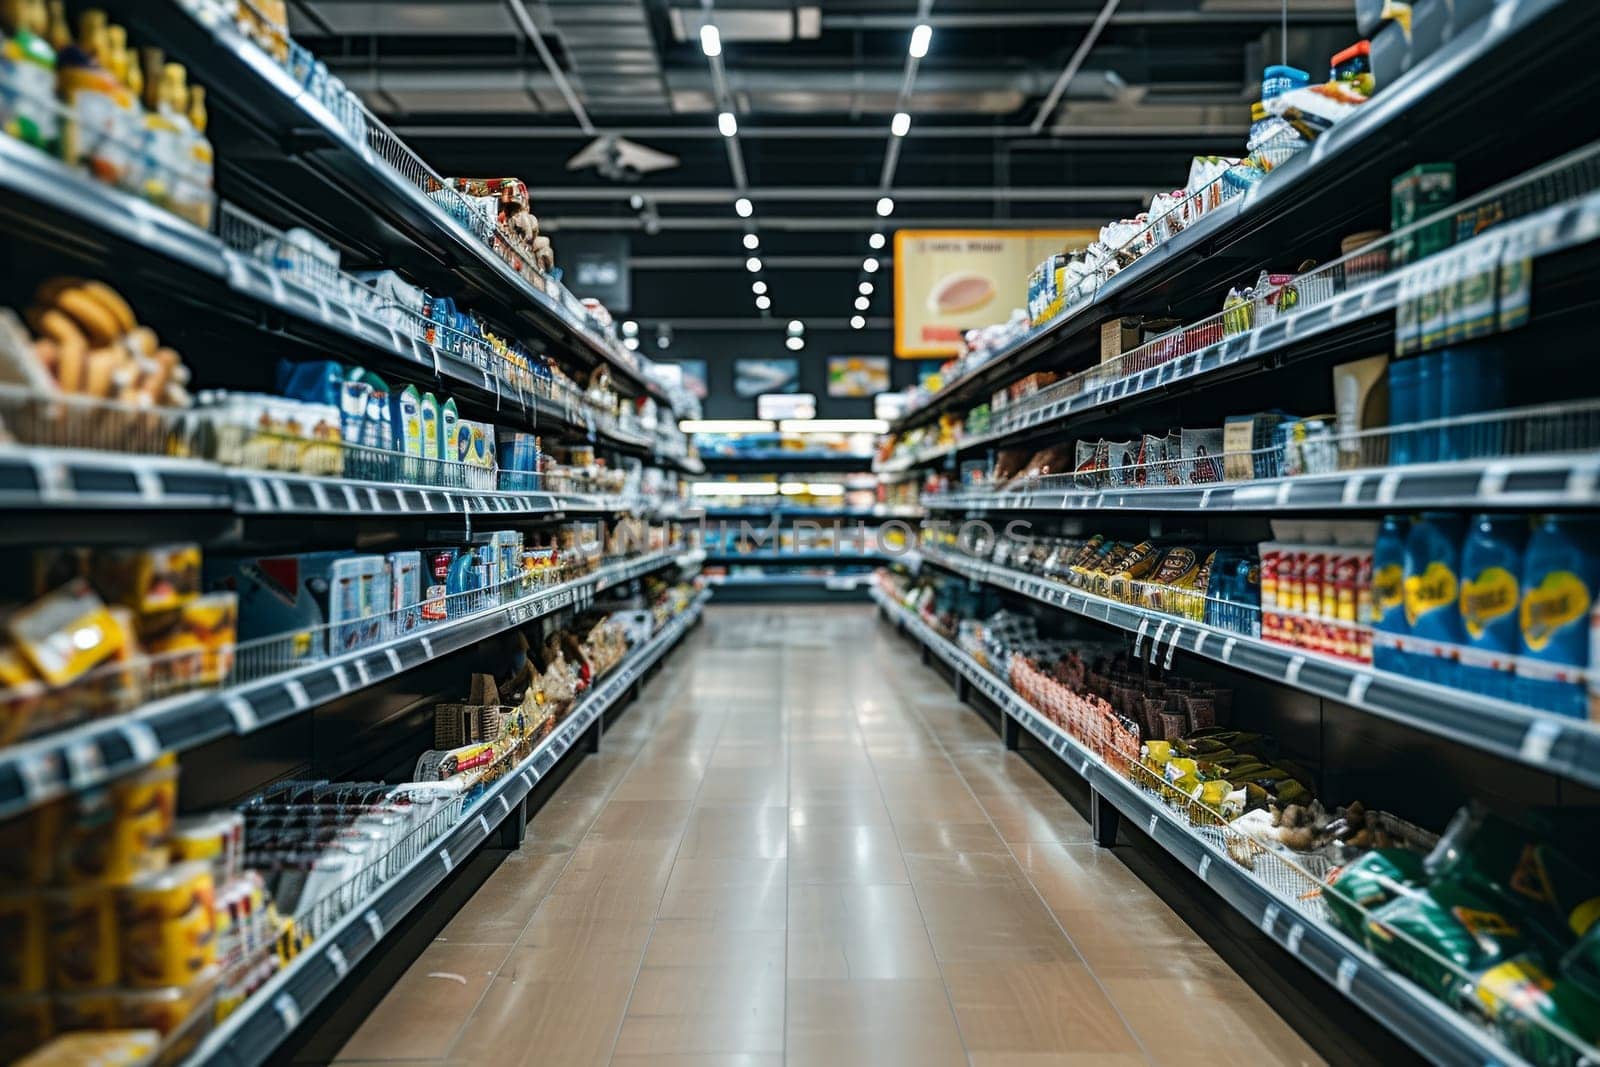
{"x": 83, "y": 938}
{"x": 168, "y": 927}
{"x": 66, "y": 632}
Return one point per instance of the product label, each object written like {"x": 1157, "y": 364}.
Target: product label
{"x": 1491, "y": 596}
{"x": 1429, "y": 591}
{"x": 1560, "y": 600}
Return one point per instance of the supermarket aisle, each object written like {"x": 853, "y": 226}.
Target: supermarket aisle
{"x": 799, "y": 848}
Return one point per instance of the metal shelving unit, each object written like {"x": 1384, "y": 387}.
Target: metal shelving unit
{"x": 250, "y": 1035}
{"x": 1310, "y": 195}
{"x": 1425, "y": 1023}
{"x": 1564, "y": 746}
{"x": 57, "y": 764}
{"x": 768, "y": 462}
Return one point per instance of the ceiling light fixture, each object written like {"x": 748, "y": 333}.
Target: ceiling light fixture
{"x": 796, "y": 327}
{"x": 726, "y": 425}
{"x": 758, "y": 287}
{"x": 857, "y": 322}
{"x": 753, "y": 264}
{"x": 752, "y": 242}
{"x": 630, "y": 343}
{"x": 862, "y": 303}
{"x": 795, "y": 344}
{"x": 711, "y": 40}
{"x": 885, "y": 206}
{"x": 870, "y": 265}
{"x": 833, "y": 426}
{"x": 728, "y": 125}
{"x": 636, "y": 202}
{"x": 630, "y": 328}
{"x": 921, "y": 37}
{"x": 875, "y": 241}
{"x": 865, "y": 288}
{"x": 743, "y": 207}
{"x": 900, "y": 125}
{"x": 763, "y": 303}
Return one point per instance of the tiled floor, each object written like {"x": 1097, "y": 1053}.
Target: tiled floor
{"x": 799, "y": 848}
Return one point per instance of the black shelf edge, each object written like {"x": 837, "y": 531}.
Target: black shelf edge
{"x": 793, "y": 462}
{"x": 250, "y": 1035}
{"x": 41, "y": 769}
{"x": 1424, "y": 1023}
{"x": 736, "y": 559}
{"x": 1542, "y": 740}
{"x": 712, "y": 514}
{"x": 1555, "y": 229}
{"x": 1455, "y": 76}
{"x": 1565, "y": 480}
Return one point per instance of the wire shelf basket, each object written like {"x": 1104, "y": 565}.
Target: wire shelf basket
{"x": 28, "y": 417}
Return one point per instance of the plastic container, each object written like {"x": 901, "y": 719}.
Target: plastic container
{"x": 1432, "y": 596}
{"x": 1279, "y": 79}
{"x": 1491, "y": 574}
{"x": 1388, "y": 591}
{"x": 1471, "y": 380}
{"x": 1560, "y": 571}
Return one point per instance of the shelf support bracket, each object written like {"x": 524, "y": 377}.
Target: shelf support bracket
{"x": 1010, "y": 732}
{"x": 1104, "y": 819}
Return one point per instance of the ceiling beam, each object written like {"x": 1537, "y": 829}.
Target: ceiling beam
{"x": 829, "y": 133}
{"x": 736, "y": 262}
{"x": 865, "y": 195}
{"x": 1074, "y": 64}
{"x": 519, "y": 11}
{"x": 797, "y": 224}
{"x": 1002, "y": 19}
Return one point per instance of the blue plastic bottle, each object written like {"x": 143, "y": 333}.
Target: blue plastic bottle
{"x": 1433, "y": 591}
{"x": 1559, "y": 574}
{"x": 1491, "y": 573}
{"x": 1471, "y": 379}
{"x": 1389, "y": 590}
{"x": 1402, "y": 409}
{"x": 1429, "y": 402}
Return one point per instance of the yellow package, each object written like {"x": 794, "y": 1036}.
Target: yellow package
{"x": 83, "y": 938}
{"x": 154, "y": 582}
{"x": 113, "y": 1048}
{"x": 23, "y": 950}
{"x": 207, "y": 630}
{"x": 168, "y": 927}
{"x": 168, "y": 1009}
{"x": 66, "y": 632}
{"x": 146, "y": 809}
{"x": 28, "y": 846}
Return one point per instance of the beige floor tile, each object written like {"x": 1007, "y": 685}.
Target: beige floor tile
{"x": 941, "y": 838}
{"x": 502, "y": 906}
{"x": 1167, "y": 1015}
{"x": 872, "y": 1021}
{"x": 744, "y": 907}
{"x": 421, "y": 1014}
{"x": 701, "y": 1059}
{"x": 625, "y": 820}
{"x": 736, "y": 831}
{"x": 851, "y": 906}
{"x": 696, "y": 943}
{"x": 1035, "y": 1007}
{"x": 861, "y": 952}
{"x": 845, "y": 854}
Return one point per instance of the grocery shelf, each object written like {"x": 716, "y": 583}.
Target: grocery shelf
{"x": 1311, "y": 195}
{"x": 832, "y": 582}
{"x": 54, "y": 765}
{"x": 81, "y": 478}
{"x": 363, "y": 198}
{"x": 1298, "y": 335}
{"x": 251, "y": 1034}
{"x": 1423, "y": 1022}
{"x": 800, "y": 558}
{"x": 1564, "y": 480}
{"x": 793, "y": 514}
{"x": 1538, "y": 739}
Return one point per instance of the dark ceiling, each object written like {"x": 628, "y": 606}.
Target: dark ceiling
{"x": 1024, "y": 112}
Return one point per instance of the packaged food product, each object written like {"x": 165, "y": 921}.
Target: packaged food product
{"x": 66, "y": 632}
{"x": 1521, "y": 998}
{"x": 1560, "y": 570}
{"x": 1432, "y": 595}
{"x": 216, "y": 838}
{"x": 168, "y": 926}
{"x": 110, "y": 1048}
{"x": 83, "y": 937}
{"x": 1201, "y": 455}
{"x": 437, "y": 565}
{"x": 24, "y": 944}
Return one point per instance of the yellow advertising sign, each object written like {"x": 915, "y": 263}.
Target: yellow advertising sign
{"x": 950, "y": 281}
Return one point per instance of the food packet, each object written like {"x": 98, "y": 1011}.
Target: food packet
{"x": 1447, "y": 922}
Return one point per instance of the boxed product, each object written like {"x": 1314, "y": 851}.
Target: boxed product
{"x": 405, "y": 591}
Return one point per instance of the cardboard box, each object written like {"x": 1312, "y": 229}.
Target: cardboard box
{"x": 1361, "y": 400}
{"x": 1118, "y": 336}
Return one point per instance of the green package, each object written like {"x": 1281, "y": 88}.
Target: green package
{"x": 1518, "y": 994}
{"x": 1439, "y": 936}
{"x": 1369, "y": 882}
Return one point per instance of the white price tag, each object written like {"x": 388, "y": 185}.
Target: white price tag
{"x": 1205, "y": 865}
{"x": 1227, "y": 649}
{"x": 288, "y": 1010}
{"x": 342, "y": 678}
{"x": 1297, "y": 934}
{"x": 297, "y": 693}
{"x": 1268, "y": 918}
{"x": 1138, "y": 641}
{"x": 1291, "y": 673}
{"x": 1345, "y": 979}
{"x": 1083, "y": 768}
{"x": 1539, "y": 741}
{"x": 1200, "y": 642}
{"x": 362, "y": 672}
{"x": 374, "y": 924}
{"x": 483, "y": 824}
{"x": 1154, "y": 819}
{"x": 341, "y": 966}
{"x": 37, "y": 780}
{"x": 141, "y": 740}
{"x": 1155, "y": 642}
{"x": 505, "y": 805}
{"x": 85, "y": 765}
{"x": 394, "y": 660}
{"x": 444, "y": 858}
{"x": 1359, "y": 684}
{"x": 427, "y": 648}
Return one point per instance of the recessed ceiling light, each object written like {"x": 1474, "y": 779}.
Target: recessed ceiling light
{"x": 857, "y": 322}
{"x": 752, "y": 242}
{"x": 743, "y": 207}
{"x": 863, "y": 303}
{"x": 636, "y": 202}
{"x": 758, "y": 287}
{"x": 711, "y": 40}
{"x": 796, "y": 327}
{"x": 921, "y": 36}
{"x": 885, "y": 206}
{"x": 630, "y": 328}
{"x": 795, "y": 344}
{"x": 727, "y": 125}
{"x": 870, "y": 265}
{"x": 763, "y": 303}
{"x": 753, "y": 264}
{"x": 900, "y": 125}
{"x": 630, "y": 343}
{"x": 865, "y": 288}
{"x": 875, "y": 241}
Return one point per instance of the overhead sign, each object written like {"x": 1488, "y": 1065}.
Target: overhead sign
{"x": 949, "y": 281}
{"x": 596, "y": 265}
{"x": 786, "y": 406}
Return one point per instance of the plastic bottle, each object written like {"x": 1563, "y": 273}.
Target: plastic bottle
{"x": 1471, "y": 380}
{"x": 202, "y": 161}
{"x": 28, "y": 75}
{"x": 1491, "y": 573}
{"x": 131, "y": 117}
{"x": 1402, "y": 410}
{"x": 1559, "y": 575}
{"x": 1432, "y": 596}
{"x": 96, "y": 132}
{"x": 1388, "y": 591}
{"x": 1429, "y": 383}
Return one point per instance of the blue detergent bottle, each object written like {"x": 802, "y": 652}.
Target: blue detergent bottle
{"x": 1389, "y": 590}
{"x": 1491, "y": 576}
{"x": 1559, "y": 574}
{"x": 1432, "y": 595}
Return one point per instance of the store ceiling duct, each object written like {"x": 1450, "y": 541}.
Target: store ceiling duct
{"x": 401, "y": 18}
{"x": 611, "y": 54}
{"x": 749, "y": 23}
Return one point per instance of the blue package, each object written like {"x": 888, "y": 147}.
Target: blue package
{"x": 1472, "y": 380}
{"x": 1389, "y": 592}
{"x": 1429, "y": 397}
{"x": 1403, "y": 405}
{"x": 289, "y": 598}
{"x": 317, "y": 382}
{"x": 1433, "y": 591}
{"x": 1491, "y": 570}
{"x": 1560, "y": 571}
